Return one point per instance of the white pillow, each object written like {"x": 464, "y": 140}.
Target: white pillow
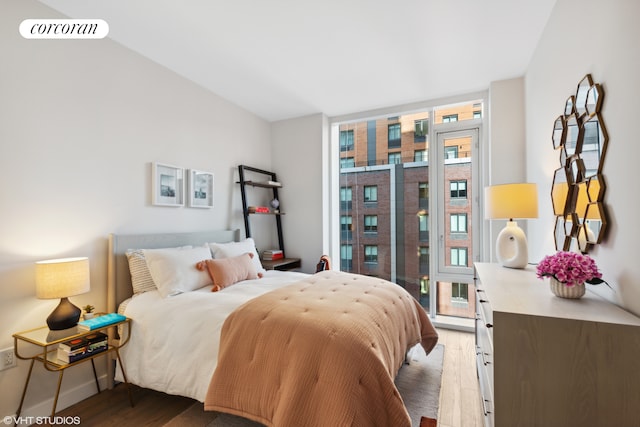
{"x": 141, "y": 279}
{"x": 175, "y": 272}
{"x": 232, "y": 249}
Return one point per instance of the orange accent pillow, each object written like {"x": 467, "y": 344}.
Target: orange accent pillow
{"x": 227, "y": 271}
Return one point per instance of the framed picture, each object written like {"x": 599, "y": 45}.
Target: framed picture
{"x": 167, "y": 185}
{"x": 200, "y": 189}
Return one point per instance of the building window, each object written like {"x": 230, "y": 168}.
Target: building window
{"x": 405, "y": 192}
{"x": 346, "y": 140}
{"x": 477, "y": 114}
{"x": 423, "y": 195}
{"x": 458, "y": 189}
{"x": 346, "y": 197}
{"x": 370, "y": 193}
{"x": 459, "y": 257}
{"x": 423, "y": 227}
{"x": 420, "y": 156}
{"x": 395, "y": 158}
{"x": 346, "y": 223}
{"x": 459, "y": 223}
{"x": 424, "y": 261}
{"x": 346, "y": 257}
{"x": 346, "y": 227}
{"x": 421, "y": 130}
{"x": 394, "y": 135}
{"x": 370, "y": 254}
{"x": 371, "y": 223}
{"x": 451, "y": 152}
{"x": 460, "y": 292}
{"x": 347, "y": 162}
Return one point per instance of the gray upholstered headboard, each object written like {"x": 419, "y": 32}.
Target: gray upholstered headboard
{"x": 118, "y": 277}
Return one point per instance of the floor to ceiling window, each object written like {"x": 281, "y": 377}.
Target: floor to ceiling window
{"x": 401, "y": 177}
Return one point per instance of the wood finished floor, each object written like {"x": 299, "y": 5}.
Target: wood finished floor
{"x": 459, "y": 395}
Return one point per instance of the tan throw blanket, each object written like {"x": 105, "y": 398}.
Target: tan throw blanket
{"x": 321, "y": 352}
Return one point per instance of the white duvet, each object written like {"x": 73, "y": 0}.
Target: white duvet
{"x": 174, "y": 340}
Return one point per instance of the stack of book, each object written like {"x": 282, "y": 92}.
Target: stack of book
{"x": 100, "y": 321}
{"x": 79, "y": 348}
{"x": 272, "y": 254}
{"x": 258, "y": 209}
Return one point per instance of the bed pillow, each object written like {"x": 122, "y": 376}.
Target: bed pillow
{"x": 141, "y": 280}
{"x": 231, "y": 249}
{"x": 174, "y": 272}
{"x": 228, "y": 271}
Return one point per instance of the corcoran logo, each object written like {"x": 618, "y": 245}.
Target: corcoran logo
{"x": 64, "y": 29}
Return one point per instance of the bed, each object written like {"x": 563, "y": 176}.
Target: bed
{"x": 283, "y": 349}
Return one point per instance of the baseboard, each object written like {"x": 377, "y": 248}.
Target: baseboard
{"x": 67, "y": 397}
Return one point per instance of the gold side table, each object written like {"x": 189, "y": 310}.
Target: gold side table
{"x": 47, "y": 353}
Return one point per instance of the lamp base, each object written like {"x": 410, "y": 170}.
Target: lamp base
{"x": 65, "y": 316}
{"x": 511, "y": 246}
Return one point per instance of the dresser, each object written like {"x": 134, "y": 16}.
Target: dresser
{"x": 548, "y": 361}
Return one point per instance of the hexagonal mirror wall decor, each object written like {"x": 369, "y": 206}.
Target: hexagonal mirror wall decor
{"x": 577, "y": 191}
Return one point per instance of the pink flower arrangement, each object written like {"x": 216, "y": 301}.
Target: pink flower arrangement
{"x": 570, "y": 268}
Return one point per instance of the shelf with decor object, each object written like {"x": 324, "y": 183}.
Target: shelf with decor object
{"x": 268, "y": 180}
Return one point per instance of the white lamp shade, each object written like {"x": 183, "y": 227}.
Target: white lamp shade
{"x": 61, "y": 278}
{"x": 508, "y": 201}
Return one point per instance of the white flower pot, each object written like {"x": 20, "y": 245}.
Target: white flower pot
{"x": 563, "y": 291}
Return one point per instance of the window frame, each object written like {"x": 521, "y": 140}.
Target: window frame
{"x": 394, "y": 141}
{"x": 423, "y": 155}
{"x": 368, "y": 198}
{"x": 369, "y": 257}
{"x": 461, "y": 218}
{"x": 459, "y": 250}
{"x": 457, "y": 182}
{"x": 370, "y": 228}
{"x": 346, "y": 143}
{"x": 333, "y": 179}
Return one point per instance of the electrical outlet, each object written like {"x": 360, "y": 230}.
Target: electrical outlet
{"x": 7, "y": 359}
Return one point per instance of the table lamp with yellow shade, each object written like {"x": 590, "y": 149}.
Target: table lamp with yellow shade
{"x": 511, "y": 201}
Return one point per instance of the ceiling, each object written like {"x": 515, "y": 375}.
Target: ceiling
{"x": 288, "y": 58}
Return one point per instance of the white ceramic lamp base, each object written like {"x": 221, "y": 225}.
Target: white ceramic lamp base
{"x": 511, "y": 246}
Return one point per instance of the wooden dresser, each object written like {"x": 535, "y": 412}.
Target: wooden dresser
{"x": 548, "y": 361}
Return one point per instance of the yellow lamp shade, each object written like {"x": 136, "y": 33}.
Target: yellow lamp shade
{"x": 508, "y": 201}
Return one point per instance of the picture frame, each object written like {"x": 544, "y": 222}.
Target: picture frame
{"x": 200, "y": 189}
{"x": 167, "y": 185}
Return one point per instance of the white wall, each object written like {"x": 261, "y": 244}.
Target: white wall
{"x": 504, "y": 157}
{"x": 80, "y": 121}
{"x": 297, "y": 158}
{"x": 600, "y": 38}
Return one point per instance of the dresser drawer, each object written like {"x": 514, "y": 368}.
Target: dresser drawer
{"x": 484, "y": 351}
{"x": 485, "y": 313}
{"x": 485, "y": 378}
{"x": 484, "y": 306}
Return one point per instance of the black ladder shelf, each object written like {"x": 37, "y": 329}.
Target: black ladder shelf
{"x": 270, "y": 182}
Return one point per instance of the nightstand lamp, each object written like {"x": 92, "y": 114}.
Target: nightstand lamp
{"x": 62, "y": 278}
{"x": 509, "y": 201}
